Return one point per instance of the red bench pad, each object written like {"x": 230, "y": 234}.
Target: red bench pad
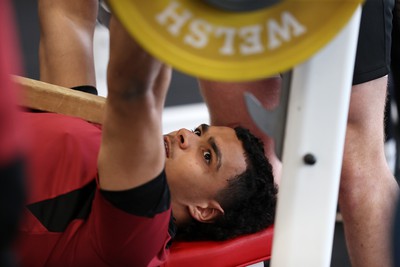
{"x": 240, "y": 251}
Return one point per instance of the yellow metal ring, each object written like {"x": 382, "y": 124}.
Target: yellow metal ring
{"x": 214, "y": 44}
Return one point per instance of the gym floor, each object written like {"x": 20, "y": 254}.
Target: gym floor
{"x": 183, "y": 97}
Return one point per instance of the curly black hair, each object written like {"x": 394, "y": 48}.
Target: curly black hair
{"x": 249, "y": 200}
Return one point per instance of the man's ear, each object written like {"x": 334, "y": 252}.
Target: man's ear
{"x": 206, "y": 213}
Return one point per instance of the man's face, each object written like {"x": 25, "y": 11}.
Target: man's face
{"x": 199, "y": 162}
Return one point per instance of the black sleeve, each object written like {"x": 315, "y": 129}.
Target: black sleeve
{"x": 146, "y": 200}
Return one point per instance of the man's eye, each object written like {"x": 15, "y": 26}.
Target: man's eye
{"x": 207, "y": 156}
{"x": 197, "y": 131}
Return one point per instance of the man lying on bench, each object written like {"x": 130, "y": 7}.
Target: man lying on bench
{"x": 211, "y": 183}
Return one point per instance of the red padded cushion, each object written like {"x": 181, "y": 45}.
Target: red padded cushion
{"x": 240, "y": 251}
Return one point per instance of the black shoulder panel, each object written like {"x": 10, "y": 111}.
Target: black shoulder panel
{"x": 56, "y": 213}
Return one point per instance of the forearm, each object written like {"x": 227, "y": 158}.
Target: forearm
{"x": 132, "y": 150}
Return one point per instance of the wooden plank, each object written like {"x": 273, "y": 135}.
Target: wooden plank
{"x": 52, "y": 98}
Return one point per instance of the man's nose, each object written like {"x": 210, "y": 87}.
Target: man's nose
{"x": 184, "y": 138}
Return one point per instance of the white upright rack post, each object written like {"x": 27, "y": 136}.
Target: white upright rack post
{"x": 313, "y": 152}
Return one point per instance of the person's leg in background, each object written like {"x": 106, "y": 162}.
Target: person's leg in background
{"x": 66, "y": 42}
{"x": 368, "y": 189}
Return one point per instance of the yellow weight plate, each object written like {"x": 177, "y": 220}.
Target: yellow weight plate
{"x": 207, "y": 42}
